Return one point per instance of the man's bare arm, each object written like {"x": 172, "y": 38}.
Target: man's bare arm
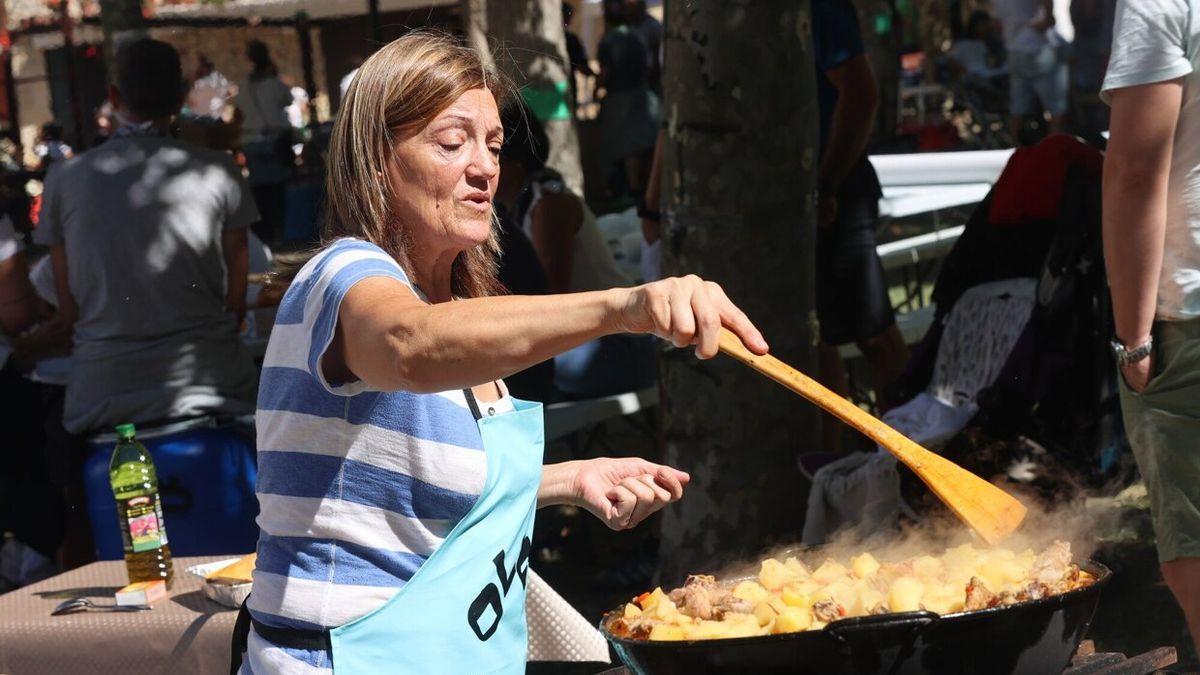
{"x": 1136, "y": 170}
{"x": 235, "y": 250}
{"x": 853, "y": 119}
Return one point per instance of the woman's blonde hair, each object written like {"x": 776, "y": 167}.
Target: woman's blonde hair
{"x": 397, "y": 91}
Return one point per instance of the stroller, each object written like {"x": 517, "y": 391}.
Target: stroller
{"x": 1025, "y": 287}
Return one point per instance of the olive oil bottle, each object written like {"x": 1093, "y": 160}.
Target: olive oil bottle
{"x": 139, "y": 511}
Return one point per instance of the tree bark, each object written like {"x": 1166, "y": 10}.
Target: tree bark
{"x": 122, "y": 21}
{"x": 475, "y": 25}
{"x": 739, "y": 178}
{"x": 528, "y": 43}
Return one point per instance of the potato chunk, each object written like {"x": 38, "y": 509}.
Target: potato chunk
{"x": 999, "y": 573}
{"x": 943, "y": 599}
{"x": 653, "y": 598}
{"x": 797, "y": 594}
{"x": 927, "y": 567}
{"x": 750, "y": 592}
{"x": 792, "y": 620}
{"x": 665, "y": 632}
{"x": 774, "y": 574}
{"x": 796, "y": 567}
{"x": 864, "y": 566}
{"x": 862, "y": 599}
{"x": 961, "y": 559}
{"x": 742, "y": 625}
{"x": 905, "y": 595}
{"x": 704, "y": 629}
{"x": 632, "y": 611}
{"x": 839, "y": 591}
{"x": 664, "y": 610}
{"x": 829, "y": 572}
{"x": 768, "y": 609}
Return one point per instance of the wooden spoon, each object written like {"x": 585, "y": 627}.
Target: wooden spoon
{"x": 990, "y": 511}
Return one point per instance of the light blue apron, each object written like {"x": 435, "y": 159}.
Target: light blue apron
{"x": 464, "y": 609}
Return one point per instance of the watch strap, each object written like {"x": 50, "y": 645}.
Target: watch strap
{"x": 1126, "y": 356}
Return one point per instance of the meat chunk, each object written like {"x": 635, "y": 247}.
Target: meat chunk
{"x": 695, "y": 598}
{"x": 1006, "y": 598}
{"x": 639, "y": 631}
{"x": 1033, "y": 590}
{"x": 1073, "y": 573}
{"x": 827, "y": 610}
{"x": 703, "y": 598}
{"x": 1051, "y": 565}
{"x": 1069, "y": 581}
{"x": 978, "y": 595}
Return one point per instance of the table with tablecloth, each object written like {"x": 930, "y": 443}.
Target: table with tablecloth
{"x": 189, "y": 633}
{"x": 184, "y": 633}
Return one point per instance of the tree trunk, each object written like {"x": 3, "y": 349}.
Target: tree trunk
{"x": 475, "y": 25}
{"x": 122, "y": 21}
{"x": 739, "y": 177}
{"x": 529, "y": 46}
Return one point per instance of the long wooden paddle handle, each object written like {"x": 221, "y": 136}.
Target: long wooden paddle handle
{"x": 987, "y": 509}
{"x": 904, "y": 449}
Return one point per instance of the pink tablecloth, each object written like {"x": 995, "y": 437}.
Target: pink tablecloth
{"x": 184, "y": 633}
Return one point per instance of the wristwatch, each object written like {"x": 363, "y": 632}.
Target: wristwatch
{"x": 645, "y": 212}
{"x": 1126, "y": 356}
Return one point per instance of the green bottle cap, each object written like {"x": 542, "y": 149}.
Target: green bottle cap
{"x": 125, "y": 432}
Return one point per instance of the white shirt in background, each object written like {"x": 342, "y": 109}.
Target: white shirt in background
{"x": 264, "y": 103}
{"x": 1159, "y": 41}
{"x": 346, "y": 80}
{"x": 209, "y": 95}
{"x": 1017, "y": 18}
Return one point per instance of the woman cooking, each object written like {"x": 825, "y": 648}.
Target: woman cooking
{"x": 397, "y": 479}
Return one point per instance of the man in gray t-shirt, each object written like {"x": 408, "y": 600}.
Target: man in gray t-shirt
{"x": 148, "y": 245}
{"x": 1152, "y": 252}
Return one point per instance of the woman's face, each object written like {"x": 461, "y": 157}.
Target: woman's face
{"x": 444, "y": 176}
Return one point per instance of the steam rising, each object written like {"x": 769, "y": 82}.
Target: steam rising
{"x": 1073, "y": 521}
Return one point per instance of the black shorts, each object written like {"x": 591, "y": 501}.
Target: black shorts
{"x": 852, "y": 298}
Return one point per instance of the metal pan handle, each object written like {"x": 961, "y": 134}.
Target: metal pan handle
{"x": 903, "y": 623}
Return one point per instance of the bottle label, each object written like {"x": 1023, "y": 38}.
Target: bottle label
{"x": 146, "y": 530}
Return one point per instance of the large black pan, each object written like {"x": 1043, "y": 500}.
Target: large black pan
{"x": 1036, "y": 637}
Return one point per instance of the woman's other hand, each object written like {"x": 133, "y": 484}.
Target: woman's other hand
{"x": 687, "y": 311}
{"x": 623, "y": 491}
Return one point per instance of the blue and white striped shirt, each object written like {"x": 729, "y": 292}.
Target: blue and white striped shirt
{"x": 356, "y": 487}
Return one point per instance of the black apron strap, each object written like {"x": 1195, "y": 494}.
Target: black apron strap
{"x": 241, "y": 633}
{"x": 472, "y": 403}
{"x": 294, "y": 638}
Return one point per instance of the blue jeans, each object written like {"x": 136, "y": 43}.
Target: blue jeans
{"x": 1035, "y": 77}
